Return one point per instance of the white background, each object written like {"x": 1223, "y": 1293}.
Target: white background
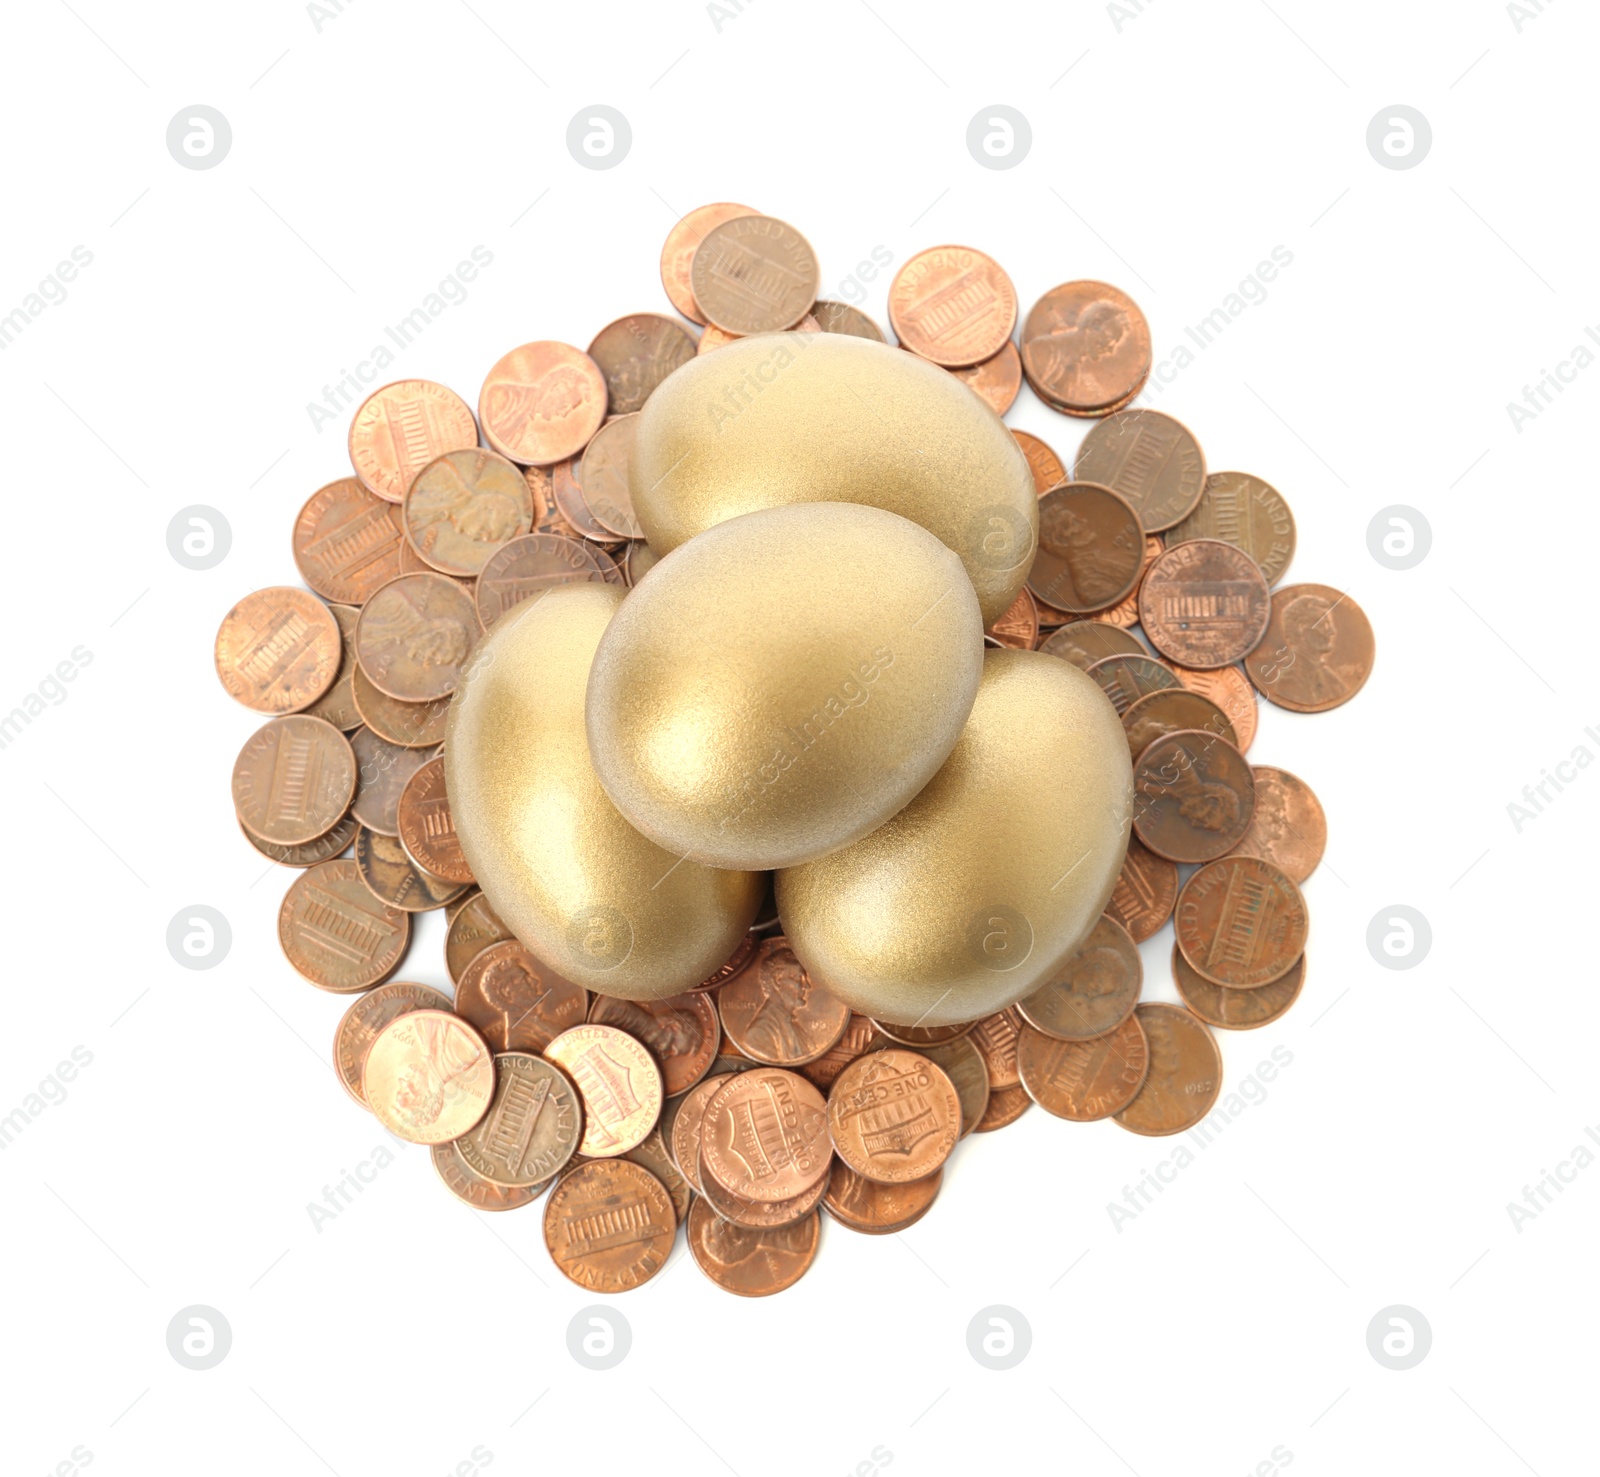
{"x": 1170, "y": 154}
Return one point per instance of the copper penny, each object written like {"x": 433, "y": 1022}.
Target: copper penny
{"x": 347, "y": 542}
{"x": 527, "y": 567}
{"x": 715, "y": 338}
{"x": 835, "y": 317}
{"x": 400, "y": 428}
{"x": 532, "y": 1127}
{"x": 1244, "y": 511}
{"x": 859, "y": 1036}
{"x": 1194, "y": 796}
{"x": 540, "y": 492}
{"x": 652, "y": 1155}
{"x": 743, "y": 953}
{"x": 1092, "y": 991}
{"x": 1289, "y": 829}
{"x": 462, "y": 506}
{"x": 681, "y": 1032}
{"x": 1090, "y": 549}
{"x": 1145, "y": 893}
{"x": 1125, "y": 612}
{"x": 620, "y": 1084}
{"x": 754, "y": 274}
{"x": 278, "y": 650}
{"x": 336, "y": 933}
{"x": 474, "y": 927}
{"x": 1159, "y": 713}
{"x": 329, "y": 844}
{"x": 1237, "y": 1010}
{"x": 919, "y": 1037}
{"x": 895, "y": 1116}
{"x": 876, "y": 1209}
{"x": 1085, "y": 347}
{"x": 1005, "y": 1107}
{"x": 366, "y": 1017}
{"x": 765, "y": 1135}
{"x": 1018, "y": 626}
{"x": 515, "y": 1001}
{"x": 996, "y": 1037}
{"x": 338, "y": 704}
{"x": 609, "y": 1225}
{"x": 462, "y": 1181}
{"x": 1151, "y": 459}
{"x": 1241, "y": 923}
{"x": 953, "y": 305}
{"x": 639, "y": 561}
{"x": 1230, "y": 690}
{"x": 1083, "y": 643}
{"x": 1185, "y": 1076}
{"x": 1084, "y": 1081}
{"x": 425, "y": 827}
{"x": 603, "y": 476}
{"x": 405, "y": 725}
{"x": 635, "y": 354}
{"x": 688, "y": 1126}
{"x": 382, "y": 770}
{"x": 397, "y": 880}
{"x": 962, "y": 1062}
{"x": 751, "y": 1263}
{"x": 542, "y": 402}
{"x": 775, "y": 1013}
{"x": 1045, "y": 465}
{"x": 293, "y": 780}
{"x": 1204, "y": 603}
{"x": 1126, "y": 679}
{"x": 758, "y": 1215}
{"x": 996, "y": 381}
{"x": 428, "y": 1077}
{"x": 415, "y": 635}
{"x": 677, "y": 254}
{"x": 1317, "y": 651}
{"x": 565, "y": 483}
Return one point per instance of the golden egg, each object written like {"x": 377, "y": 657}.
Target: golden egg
{"x": 824, "y": 417}
{"x": 784, "y": 683}
{"x": 575, "y": 882}
{"x": 978, "y": 889}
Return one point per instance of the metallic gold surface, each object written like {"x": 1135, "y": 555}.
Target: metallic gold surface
{"x": 973, "y": 894}
{"x": 784, "y": 683}
{"x": 575, "y": 882}
{"x": 801, "y": 418}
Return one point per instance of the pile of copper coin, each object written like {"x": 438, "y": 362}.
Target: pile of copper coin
{"x": 1159, "y": 579}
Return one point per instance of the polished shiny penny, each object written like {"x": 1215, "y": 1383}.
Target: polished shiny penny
{"x": 681, "y": 1032}
{"x": 474, "y": 926}
{"x": 876, "y": 1209}
{"x": 619, "y": 1082}
{"x": 1204, "y": 603}
{"x": 415, "y": 635}
{"x": 635, "y": 354}
{"x": 395, "y": 879}
{"x": 962, "y": 1062}
{"x": 1083, "y": 643}
{"x": 765, "y": 1135}
{"x": 347, "y": 542}
{"x": 293, "y": 780}
{"x": 1091, "y": 548}
{"x": 754, "y": 274}
{"x": 835, "y": 317}
{"x": 1185, "y": 1076}
{"x": 1241, "y": 923}
{"x": 462, "y": 506}
{"x": 751, "y": 1263}
{"x": 400, "y": 428}
{"x": 1151, "y": 459}
{"x": 1018, "y": 625}
{"x": 1045, "y": 465}
{"x": 1084, "y": 1081}
{"x": 532, "y": 1127}
{"x": 516, "y": 1002}
{"x": 1317, "y": 652}
{"x": 995, "y": 1036}
{"x": 382, "y": 770}
{"x": 1085, "y": 348}
{"x": 428, "y": 1077}
{"x": 336, "y": 933}
{"x": 467, "y": 1185}
{"x": 1290, "y": 829}
{"x": 1145, "y": 893}
{"x": 859, "y": 1036}
{"x": 609, "y": 1225}
{"x": 774, "y": 1012}
{"x": 329, "y": 844}
{"x": 278, "y": 650}
{"x": 542, "y": 402}
{"x": 687, "y": 1128}
{"x": 760, "y": 1215}
{"x": 952, "y": 305}
{"x": 1193, "y": 796}
{"x": 425, "y": 826}
{"x": 338, "y": 704}
{"x": 894, "y": 1116}
{"x": 1157, "y": 714}
{"x": 918, "y": 1037}
{"x": 1092, "y": 991}
{"x": 369, "y": 1014}
{"x": 677, "y": 253}
{"x": 526, "y": 567}
{"x": 1237, "y": 1010}
{"x": 603, "y": 476}
{"x": 996, "y": 381}
{"x": 743, "y": 953}
{"x": 1126, "y": 679}
{"x": 1230, "y": 690}
{"x": 405, "y": 725}
{"x": 1005, "y": 1107}
{"x": 1244, "y": 511}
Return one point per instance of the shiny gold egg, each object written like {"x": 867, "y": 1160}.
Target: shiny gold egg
{"x": 978, "y": 889}
{"x": 784, "y": 683}
{"x": 824, "y": 417}
{"x": 575, "y": 882}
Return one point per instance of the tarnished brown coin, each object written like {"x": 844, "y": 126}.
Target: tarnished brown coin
{"x": 1204, "y": 603}
{"x": 1126, "y": 679}
{"x": 1230, "y": 690}
{"x": 1083, "y": 643}
{"x": 382, "y": 770}
{"x": 876, "y": 1209}
{"x": 962, "y": 1062}
{"x": 532, "y": 1127}
{"x": 603, "y": 476}
{"x": 681, "y": 1032}
{"x": 395, "y": 879}
{"x": 462, "y": 506}
{"x": 835, "y": 317}
{"x": 293, "y": 780}
{"x": 542, "y": 402}
{"x": 1289, "y": 829}
{"x": 400, "y": 428}
{"x": 765, "y": 1135}
{"x": 338, "y": 704}
{"x": 743, "y": 953}
{"x": 474, "y": 926}
{"x": 425, "y": 826}
{"x": 1151, "y": 459}
{"x": 858, "y": 1037}
{"x": 953, "y": 305}
{"x": 405, "y": 725}
{"x": 1237, "y": 1010}
{"x": 1085, "y": 348}
{"x": 1185, "y": 1076}
{"x": 366, "y": 1017}
{"x": 639, "y": 560}
{"x": 759, "y": 1215}
{"x": 1090, "y": 549}
{"x": 1159, "y": 713}
{"x": 1084, "y": 1081}
{"x": 572, "y": 504}
{"x": 751, "y": 1263}
{"x": 609, "y": 1225}
{"x": 1145, "y": 894}
{"x": 688, "y": 1127}
{"x": 1125, "y": 612}
{"x": 677, "y": 254}
{"x": 336, "y": 933}
{"x": 1317, "y": 651}
{"x": 529, "y": 566}
{"x": 635, "y": 354}
{"x": 466, "y": 1184}
{"x": 775, "y": 1013}
{"x": 1094, "y": 989}
{"x": 895, "y": 1116}
{"x": 1018, "y": 626}
{"x": 347, "y": 542}
{"x": 996, "y": 381}
{"x": 1241, "y": 923}
{"x": 1244, "y": 511}
{"x": 754, "y": 274}
{"x": 415, "y": 635}
{"x": 278, "y": 650}
{"x": 1045, "y": 465}
{"x": 324, "y": 848}
{"x": 515, "y": 1001}
{"x": 1005, "y": 1107}
{"x": 619, "y": 1082}
{"x": 995, "y": 1036}
{"x": 1193, "y": 796}
{"x": 920, "y": 1037}
{"x": 428, "y": 1077}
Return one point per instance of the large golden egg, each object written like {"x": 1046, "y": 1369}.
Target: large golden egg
{"x": 824, "y": 417}
{"x": 784, "y": 683}
{"x": 978, "y": 889}
{"x": 575, "y": 882}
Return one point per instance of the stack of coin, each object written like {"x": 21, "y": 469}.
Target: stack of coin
{"x": 745, "y": 1109}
